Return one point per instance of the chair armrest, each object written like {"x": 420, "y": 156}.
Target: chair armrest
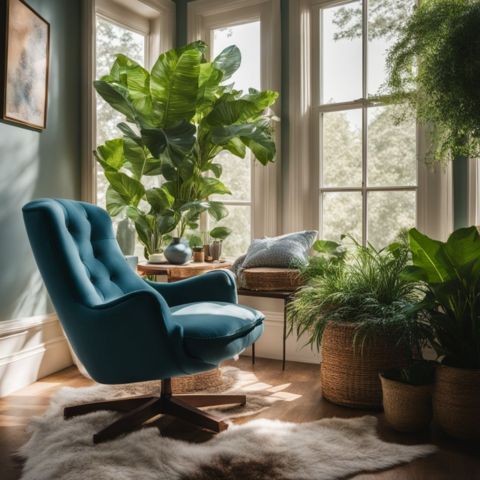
{"x": 129, "y": 339}
{"x": 214, "y": 286}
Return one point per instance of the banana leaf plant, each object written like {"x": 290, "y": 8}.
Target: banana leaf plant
{"x": 450, "y": 272}
{"x": 178, "y": 118}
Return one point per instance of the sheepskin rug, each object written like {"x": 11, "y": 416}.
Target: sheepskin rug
{"x": 261, "y": 449}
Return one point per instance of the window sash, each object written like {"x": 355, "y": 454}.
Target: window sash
{"x": 363, "y": 103}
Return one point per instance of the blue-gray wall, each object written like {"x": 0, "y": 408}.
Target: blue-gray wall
{"x": 40, "y": 164}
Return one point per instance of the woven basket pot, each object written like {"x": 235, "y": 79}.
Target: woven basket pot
{"x": 349, "y": 375}
{"x": 198, "y": 382}
{"x": 408, "y": 408}
{"x": 456, "y": 401}
{"x": 267, "y": 279}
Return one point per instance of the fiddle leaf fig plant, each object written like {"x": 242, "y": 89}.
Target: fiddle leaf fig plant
{"x": 178, "y": 118}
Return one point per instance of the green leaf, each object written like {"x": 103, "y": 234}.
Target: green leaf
{"x": 195, "y": 240}
{"x": 220, "y": 233}
{"x": 236, "y": 146}
{"x": 128, "y": 132}
{"x": 261, "y": 99}
{"x": 212, "y": 186}
{"x": 217, "y": 210}
{"x": 117, "y": 97}
{"x": 261, "y": 143}
{"x": 135, "y": 157}
{"x": 167, "y": 223}
{"x": 153, "y": 166}
{"x": 174, "y": 85}
{"x": 155, "y": 140}
{"x": 114, "y": 202}
{"x": 230, "y": 111}
{"x": 179, "y": 139}
{"x": 463, "y": 249}
{"x": 160, "y": 199}
{"x": 110, "y": 154}
{"x": 427, "y": 258}
{"x": 326, "y": 246}
{"x": 217, "y": 169}
{"x": 128, "y": 188}
{"x": 208, "y": 82}
{"x": 228, "y": 61}
{"x": 136, "y": 79}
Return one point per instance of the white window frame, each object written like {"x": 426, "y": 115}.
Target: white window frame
{"x": 301, "y": 204}
{"x": 362, "y": 104}
{"x": 153, "y": 18}
{"x": 203, "y": 17}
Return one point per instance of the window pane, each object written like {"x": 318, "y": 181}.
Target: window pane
{"x": 388, "y": 214}
{"x": 110, "y": 40}
{"x": 236, "y": 176}
{"x": 392, "y": 149}
{"x": 342, "y": 148}
{"x": 247, "y": 38}
{"x": 341, "y": 53}
{"x": 236, "y": 171}
{"x": 239, "y": 240}
{"x": 384, "y": 21}
{"x": 342, "y": 214}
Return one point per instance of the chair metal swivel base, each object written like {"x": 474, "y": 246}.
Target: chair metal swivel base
{"x": 140, "y": 410}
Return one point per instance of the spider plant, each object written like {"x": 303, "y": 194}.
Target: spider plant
{"x": 364, "y": 286}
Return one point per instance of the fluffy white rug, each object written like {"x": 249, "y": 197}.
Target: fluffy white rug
{"x": 258, "y": 450}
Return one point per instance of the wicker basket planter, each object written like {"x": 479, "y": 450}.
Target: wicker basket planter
{"x": 456, "y": 402}
{"x": 210, "y": 380}
{"x": 350, "y": 377}
{"x": 408, "y": 408}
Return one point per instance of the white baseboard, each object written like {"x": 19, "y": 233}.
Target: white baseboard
{"x": 270, "y": 345}
{"x": 31, "y": 348}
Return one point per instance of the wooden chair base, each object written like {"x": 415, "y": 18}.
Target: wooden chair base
{"x": 139, "y": 410}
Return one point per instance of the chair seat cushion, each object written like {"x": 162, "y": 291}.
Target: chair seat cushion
{"x": 215, "y": 331}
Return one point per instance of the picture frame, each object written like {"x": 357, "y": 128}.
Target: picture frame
{"x": 26, "y": 59}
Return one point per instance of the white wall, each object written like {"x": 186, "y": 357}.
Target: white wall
{"x": 270, "y": 344}
{"x": 31, "y": 348}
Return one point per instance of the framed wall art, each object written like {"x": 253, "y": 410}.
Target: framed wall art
{"x": 26, "y": 61}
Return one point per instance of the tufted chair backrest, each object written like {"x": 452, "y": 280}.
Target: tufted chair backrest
{"x": 77, "y": 253}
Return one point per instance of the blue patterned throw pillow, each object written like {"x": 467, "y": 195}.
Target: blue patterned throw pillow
{"x": 285, "y": 251}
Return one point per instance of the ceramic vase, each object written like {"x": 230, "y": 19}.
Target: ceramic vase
{"x": 126, "y": 236}
{"x": 178, "y": 252}
{"x": 216, "y": 250}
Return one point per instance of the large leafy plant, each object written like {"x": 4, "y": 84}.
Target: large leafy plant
{"x": 434, "y": 68}
{"x": 178, "y": 118}
{"x": 450, "y": 272}
{"x": 363, "y": 286}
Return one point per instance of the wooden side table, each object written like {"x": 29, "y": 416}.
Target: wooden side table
{"x": 287, "y": 297}
{"x": 180, "y": 272}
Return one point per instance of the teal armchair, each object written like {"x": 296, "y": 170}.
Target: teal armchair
{"x": 125, "y": 329}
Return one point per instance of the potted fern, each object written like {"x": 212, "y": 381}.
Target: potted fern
{"x": 358, "y": 310}
{"x": 178, "y": 117}
{"x": 450, "y": 274}
{"x": 434, "y": 69}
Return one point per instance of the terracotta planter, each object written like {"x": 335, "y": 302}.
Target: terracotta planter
{"x": 456, "y": 401}
{"x": 408, "y": 408}
{"x": 349, "y": 376}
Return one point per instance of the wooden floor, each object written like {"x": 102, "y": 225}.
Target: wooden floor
{"x": 453, "y": 461}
